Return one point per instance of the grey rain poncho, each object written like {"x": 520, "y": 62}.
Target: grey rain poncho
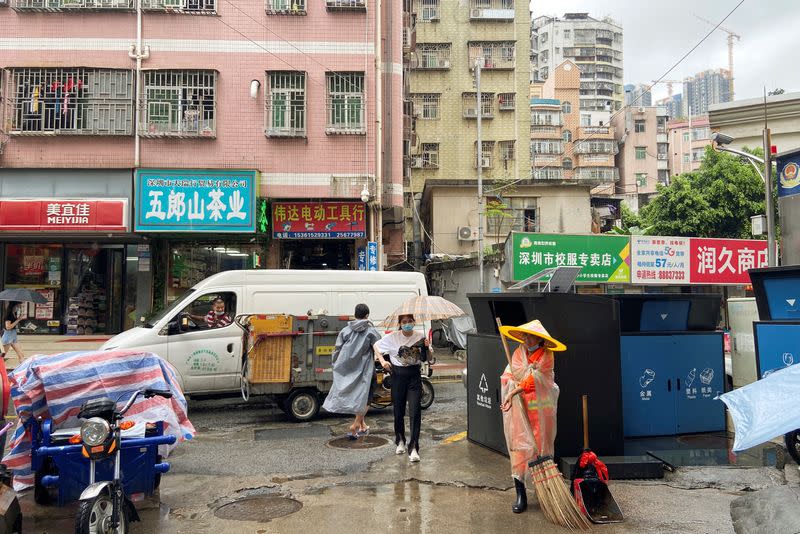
{"x": 353, "y": 368}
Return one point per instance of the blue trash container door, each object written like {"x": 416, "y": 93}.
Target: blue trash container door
{"x": 699, "y": 375}
{"x": 648, "y": 385}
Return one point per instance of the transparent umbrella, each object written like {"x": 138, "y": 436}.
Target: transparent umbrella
{"x": 424, "y": 308}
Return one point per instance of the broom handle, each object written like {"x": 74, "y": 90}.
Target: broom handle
{"x": 585, "y": 399}
{"x": 505, "y": 342}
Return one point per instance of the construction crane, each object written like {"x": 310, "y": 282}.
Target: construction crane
{"x": 669, "y": 84}
{"x": 731, "y": 36}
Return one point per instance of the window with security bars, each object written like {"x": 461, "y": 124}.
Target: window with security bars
{"x": 346, "y": 5}
{"x": 496, "y": 54}
{"x": 345, "y": 102}
{"x": 179, "y": 103}
{"x": 487, "y": 151}
{"x": 69, "y": 5}
{"x": 469, "y": 103}
{"x": 427, "y": 10}
{"x": 511, "y": 214}
{"x": 506, "y": 150}
{"x": 286, "y": 104}
{"x": 432, "y": 56}
{"x": 200, "y": 7}
{"x": 426, "y": 106}
{"x": 507, "y": 101}
{"x": 430, "y": 155}
{"x": 546, "y": 146}
{"x": 70, "y": 101}
{"x": 286, "y": 7}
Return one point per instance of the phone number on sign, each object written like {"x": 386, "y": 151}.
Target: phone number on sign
{"x": 320, "y": 235}
{"x": 661, "y": 275}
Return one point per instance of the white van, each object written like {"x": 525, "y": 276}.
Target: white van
{"x": 209, "y": 360}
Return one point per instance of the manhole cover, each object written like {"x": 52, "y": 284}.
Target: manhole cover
{"x": 258, "y": 509}
{"x": 364, "y": 442}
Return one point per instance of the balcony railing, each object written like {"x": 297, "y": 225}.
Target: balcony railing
{"x": 496, "y": 55}
{"x": 286, "y": 7}
{"x": 594, "y": 130}
{"x": 346, "y": 5}
{"x": 597, "y": 175}
{"x": 77, "y": 5}
{"x": 548, "y": 174}
{"x": 502, "y": 10}
{"x": 596, "y": 147}
{"x": 197, "y": 7}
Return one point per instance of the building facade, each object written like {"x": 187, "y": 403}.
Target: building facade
{"x": 594, "y": 45}
{"x": 705, "y": 89}
{"x": 158, "y": 159}
{"x": 674, "y": 105}
{"x": 744, "y": 121}
{"x": 643, "y": 158}
{"x": 688, "y": 141}
{"x": 449, "y": 38}
{"x": 638, "y": 95}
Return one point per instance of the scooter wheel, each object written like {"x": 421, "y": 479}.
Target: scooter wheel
{"x": 426, "y": 399}
{"x": 94, "y": 516}
{"x": 792, "y": 440}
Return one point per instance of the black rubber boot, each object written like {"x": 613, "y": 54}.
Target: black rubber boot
{"x": 522, "y": 498}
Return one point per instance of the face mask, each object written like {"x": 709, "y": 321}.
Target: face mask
{"x": 218, "y": 312}
{"x": 407, "y": 327}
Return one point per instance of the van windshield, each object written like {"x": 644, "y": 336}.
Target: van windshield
{"x": 168, "y": 310}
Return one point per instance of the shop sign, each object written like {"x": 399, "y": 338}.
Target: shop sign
{"x": 725, "y": 261}
{"x": 602, "y": 258}
{"x": 319, "y": 220}
{"x": 196, "y": 201}
{"x": 372, "y": 256}
{"x": 789, "y": 176}
{"x": 659, "y": 260}
{"x": 361, "y": 255}
{"x": 63, "y": 215}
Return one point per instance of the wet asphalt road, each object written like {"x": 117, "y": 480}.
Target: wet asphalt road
{"x": 246, "y": 438}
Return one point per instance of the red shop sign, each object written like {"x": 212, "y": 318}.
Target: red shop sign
{"x": 319, "y": 220}
{"x": 64, "y": 215}
{"x": 724, "y": 261}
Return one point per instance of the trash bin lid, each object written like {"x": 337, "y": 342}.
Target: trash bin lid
{"x": 675, "y": 312}
{"x": 777, "y": 292}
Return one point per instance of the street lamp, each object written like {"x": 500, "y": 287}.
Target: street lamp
{"x": 720, "y": 142}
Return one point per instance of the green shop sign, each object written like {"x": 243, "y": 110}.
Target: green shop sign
{"x": 603, "y": 258}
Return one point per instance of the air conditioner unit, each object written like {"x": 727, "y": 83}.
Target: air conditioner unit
{"x": 471, "y": 112}
{"x": 486, "y": 162}
{"x": 416, "y": 162}
{"x": 476, "y": 13}
{"x": 467, "y": 233}
{"x": 641, "y": 109}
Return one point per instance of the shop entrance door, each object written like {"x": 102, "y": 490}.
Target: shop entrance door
{"x": 94, "y": 286}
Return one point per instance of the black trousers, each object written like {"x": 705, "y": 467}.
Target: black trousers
{"x": 407, "y": 388}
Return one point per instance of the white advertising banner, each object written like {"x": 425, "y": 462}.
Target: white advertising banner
{"x": 659, "y": 260}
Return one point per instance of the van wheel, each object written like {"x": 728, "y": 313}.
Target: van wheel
{"x": 302, "y": 405}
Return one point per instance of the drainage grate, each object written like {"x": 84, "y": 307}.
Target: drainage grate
{"x": 259, "y": 509}
{"x": 365, "y": 442}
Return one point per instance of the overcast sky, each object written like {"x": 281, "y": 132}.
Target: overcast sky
{"x": 657, "y": 34}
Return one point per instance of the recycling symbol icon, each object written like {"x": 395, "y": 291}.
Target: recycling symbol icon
{"x": 483, "y": 385}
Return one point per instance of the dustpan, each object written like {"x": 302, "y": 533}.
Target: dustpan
{"x": 588, "y": 482}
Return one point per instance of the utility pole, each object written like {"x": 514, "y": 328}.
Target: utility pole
{"x": 481, "y": 209}
{"x": 771, "y": 260}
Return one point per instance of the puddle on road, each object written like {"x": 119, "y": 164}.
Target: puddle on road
{"x": 711, "y": 449}
{"x": 364, "y": 442}
{"x": 311, "y": 431}
{"x": 259, "y": 509}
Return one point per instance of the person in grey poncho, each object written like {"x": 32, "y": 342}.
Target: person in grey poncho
{"x": 353, "y": 370}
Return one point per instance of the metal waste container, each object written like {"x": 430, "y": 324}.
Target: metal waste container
{"x": 742, "y": 313}
{"x": 777, "y": 333}
{"x": 589, "y": 326}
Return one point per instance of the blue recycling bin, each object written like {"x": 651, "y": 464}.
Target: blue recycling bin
{"x": 673, "y": 364}
{"x": 777, "y": 334}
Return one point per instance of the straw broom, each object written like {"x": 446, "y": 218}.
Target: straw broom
{"x": 554, "y": 498}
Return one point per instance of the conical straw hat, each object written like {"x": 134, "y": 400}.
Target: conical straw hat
{"x": 534, "y": 327}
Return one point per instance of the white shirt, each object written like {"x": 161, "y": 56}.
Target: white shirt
{"x": 391, "y": 345}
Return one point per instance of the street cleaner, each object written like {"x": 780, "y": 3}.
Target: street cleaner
{"x": 353, "y": 371}
{"x": 530, "y": 425}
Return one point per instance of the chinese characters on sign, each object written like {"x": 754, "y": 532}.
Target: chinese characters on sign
{"x": 64, "y": 214}
{"x": 725, "y": 261}
{"x": 196, "y": 201}
{"x": 361, "y": 255}
{"x": 659, "y": 260}
{"x": 372, "y": 256}
{"x": 602, "y": 258}
{"x": 320, "y": 220}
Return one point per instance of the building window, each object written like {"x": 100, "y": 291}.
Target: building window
{"x": 700, "y": 133}
{"x": 469, "y": 103}
{"x": 428, "y": 10}
{"x": 286, "y": 7}
{"x": 496, "y": 54}
{"x": 639, "y": 126}
{"x": 546, "y": 146}
{"x": 513, "y": 214}
{"x": 426, "y": 106}
{"x": 686, "y": 157}
{"x": 507, "y": 101}
{"x": 430, "y": 155}
{"x": 506, "y": 151}
{"x": 566, "y": 108}
{"x": 71, "y": 5}
{"x": 203, "y": 7}
{"x": 286, "y": 104}
{"x": 586, "y": 120}
{"x": 345, "y": 113}
{"x": 346, "y": 5}
{"x": 641, "y": 152}
{"x": 73, "y": 101}
{"x": 486, "y": 154}
{"x": 566, "y": 34}
{"x": 685, "y": 137}
{"x": 641, "y": 179}
{"x": 432, "y": 56}
{"x": 566, "y": 163}
{"x": 566, "y": 135}
{"x": 179, "y": 103}
{"x": 698, "y": 154}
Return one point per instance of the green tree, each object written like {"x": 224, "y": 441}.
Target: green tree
{"x": 717, "y": 200}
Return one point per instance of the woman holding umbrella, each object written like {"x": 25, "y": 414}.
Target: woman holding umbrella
{"x": 9, "y": 338}
{"x": 530, "y": 425}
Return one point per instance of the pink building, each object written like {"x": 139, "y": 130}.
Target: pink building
{"x": 297, "y": 104}
{"x": 688, "y": 139}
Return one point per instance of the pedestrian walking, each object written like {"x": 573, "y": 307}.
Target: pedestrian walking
{"x": 530, "y": 425}
{"x": 353, "y": 371}
{"x": 11, "y": 319}
{"x": 405, "y": 350}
